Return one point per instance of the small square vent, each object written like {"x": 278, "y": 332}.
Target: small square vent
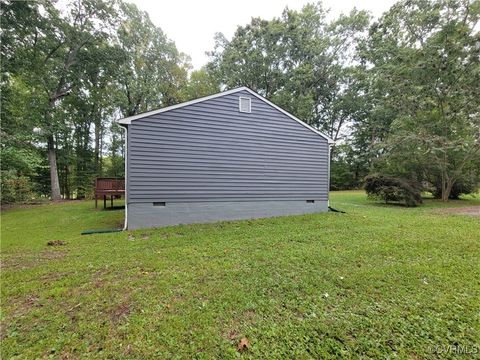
{"x": 245, "y": 104}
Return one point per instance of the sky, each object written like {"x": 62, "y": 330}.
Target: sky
{"x": 192, "y": 24}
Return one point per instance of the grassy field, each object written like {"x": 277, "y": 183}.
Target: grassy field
{"x": 377, "y": 282}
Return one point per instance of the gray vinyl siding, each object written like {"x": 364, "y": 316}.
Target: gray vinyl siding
{"x": 209, "y": 151}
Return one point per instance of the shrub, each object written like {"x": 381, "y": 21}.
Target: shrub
{"x": 389, "y": 188}
{"x": 14, "y": 188}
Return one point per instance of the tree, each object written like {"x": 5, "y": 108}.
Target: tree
{"x": 46, "y": 57}
{"x": 252, "y": 58}
{"x": 20, "y": 158}
{"x": 152, "y": 71}
{"x": 200, "y": 83}
{"x": 400, "y": 99}
{"x": 67, "y": 72}
{"x": 390, "y": 188}
{"x": 86, "y": 113}
{"x": 298, "y": 61}
{"x": 425, "y": 70}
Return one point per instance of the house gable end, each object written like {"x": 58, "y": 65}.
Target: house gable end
{"x": 207, "y": 101}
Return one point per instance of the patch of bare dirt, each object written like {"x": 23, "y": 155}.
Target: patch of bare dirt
{"x": 54, "y": 276}
{"x": 28, "y": 260}
{"x": 56, "y": 243}
{"x": 120, "y": 312}
{"x": 470, "y": 210}
{"x": 24, "y": 306}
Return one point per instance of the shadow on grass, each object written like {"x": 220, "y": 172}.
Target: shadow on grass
{"x": 427, "y": 203}
{"x": 115, "y": 208}
{"x": 392, "y": 204}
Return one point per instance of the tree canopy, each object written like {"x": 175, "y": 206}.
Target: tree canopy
{"x": 398, "y": 94}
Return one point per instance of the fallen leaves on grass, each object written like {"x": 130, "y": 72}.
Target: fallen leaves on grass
{"x": 128, "y": 350}
{"x": 74, "y": 307}
{"x": 243, "y": 345}
{"x": 232, "y": 335}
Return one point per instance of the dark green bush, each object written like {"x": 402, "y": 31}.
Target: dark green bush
{"x": 389, "y": 188}
{"x": 14, "y": 188}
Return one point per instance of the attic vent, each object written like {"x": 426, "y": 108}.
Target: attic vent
{"x": 244, "y": 104}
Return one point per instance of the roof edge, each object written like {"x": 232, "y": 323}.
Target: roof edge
{"x": 293, "y": 117}
{"x": 128, "y": 120}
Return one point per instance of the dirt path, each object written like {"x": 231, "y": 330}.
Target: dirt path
{"x": 470, "y": 210}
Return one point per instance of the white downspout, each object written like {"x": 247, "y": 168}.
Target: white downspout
{"x": 328, "y": 182}
{"x": 126, "y": 176}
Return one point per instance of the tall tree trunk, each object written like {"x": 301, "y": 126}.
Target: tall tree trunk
{"x": 97, "y": 146}
{"x": 52, "y": 160}
{"x": 67, "y": 186}
{"x": 447, "y": 189}
{"x": 100, "y": 153}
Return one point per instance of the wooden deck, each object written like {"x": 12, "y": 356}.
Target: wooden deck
{"x": 108, "y": 187}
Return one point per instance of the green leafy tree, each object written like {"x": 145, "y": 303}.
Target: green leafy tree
{"x": 200, "y": 83}
{"x": 152, "y": 71}
{"x": 67, "y": 72}
{"x": 47, "y": 59}
{"x": 299, "y": 61}
{"x": 425, "y": 75}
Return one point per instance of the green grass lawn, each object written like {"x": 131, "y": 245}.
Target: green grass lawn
{"x": 377, "y": 282}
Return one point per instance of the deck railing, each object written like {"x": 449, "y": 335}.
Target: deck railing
{"x": 112, "y": 187}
